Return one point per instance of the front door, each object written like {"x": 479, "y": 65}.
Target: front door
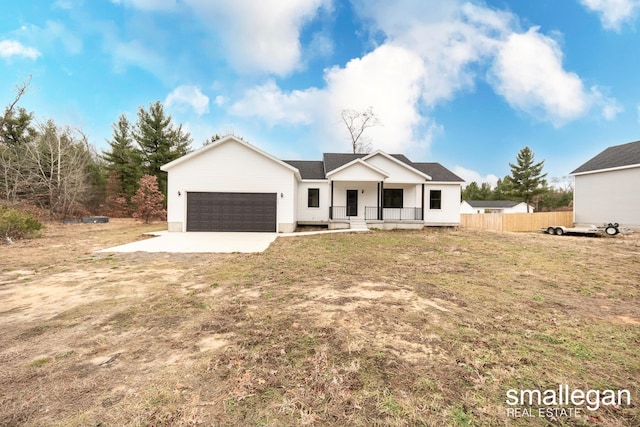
{"x": 352, "y": 202}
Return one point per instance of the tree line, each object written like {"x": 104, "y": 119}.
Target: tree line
{"x": 526, "y": 183}
{"x": 57, "y": 170}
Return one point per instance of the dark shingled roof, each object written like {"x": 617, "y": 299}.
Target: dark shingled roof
{"x": 318, "y": 169}
{"x": 309, "y": 169}
{"x": 335, "y": 160}
{"x": 613, "y": 157}
{"x": 437, "y": 172}
{"x": 492, "y": 203}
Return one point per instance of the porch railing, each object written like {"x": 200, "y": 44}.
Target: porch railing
{"x": 392, "y": 214}
{"x": 338, "y": 212}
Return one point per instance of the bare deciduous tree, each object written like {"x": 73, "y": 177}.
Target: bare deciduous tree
{"x": 57, "y": 165}
{"x": 357, "y": 122}
{"x": 21, "y": 89}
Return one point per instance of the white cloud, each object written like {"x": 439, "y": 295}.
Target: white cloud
{"x": 431, "y": 50}
{"x": 472, "y": 176}
{"x": 613, "y": 13}
{"x": 528, "y": 73}
{"x": 9, "y": 48}
{"x": 610, "y": 106}
{"x": 388, "y": 79}
{"x": 63, "y": 4}
{"x": 148, "y": 5}
{"x": 188, "y": 96}
{"x": 57, "y": 31}
{"x": 259, "y": 36}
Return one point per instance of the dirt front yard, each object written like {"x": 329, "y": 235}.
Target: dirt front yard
{"x": 430, "y": 327}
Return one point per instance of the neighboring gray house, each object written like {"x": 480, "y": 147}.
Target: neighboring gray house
{"x": 493, "y": 206}
{"x": 231, "y": 185}
{"x": 607, "y": 187}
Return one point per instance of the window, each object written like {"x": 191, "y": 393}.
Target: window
{"x": 313, "y": 198}
{"x": 435, "y": 199}
{"x": 392, "y": 198}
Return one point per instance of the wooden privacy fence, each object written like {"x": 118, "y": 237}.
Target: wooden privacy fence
{"x": 515, "y": 221}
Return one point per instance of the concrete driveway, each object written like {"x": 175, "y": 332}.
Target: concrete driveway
{"x": 194, "y": 242}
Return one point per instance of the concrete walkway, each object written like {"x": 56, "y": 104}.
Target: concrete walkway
{"x": 196, "y": 242}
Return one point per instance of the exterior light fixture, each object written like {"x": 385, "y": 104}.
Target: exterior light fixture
{"x": 281, "y": 195}
{"x": 179, "y": 193}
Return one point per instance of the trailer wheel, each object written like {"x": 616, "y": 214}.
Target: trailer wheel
{"x": 616, "y": 225}
{"x": 559, "y": 231}
{"x": 551, "y": 230}
{"x": 611, "y": 231}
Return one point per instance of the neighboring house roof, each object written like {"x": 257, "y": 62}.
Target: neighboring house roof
{"x": 437, "y": 172}
{"x": 614, "y": 157}
{"x": 492, "y": 204}
{"x": 309, "y": 169}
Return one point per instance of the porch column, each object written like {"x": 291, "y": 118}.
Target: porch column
{"x": 378, "y": 204}
{"x": 422, "y": 210}
{"x": 381, "y": 201}
{"x": 331, "y": 207}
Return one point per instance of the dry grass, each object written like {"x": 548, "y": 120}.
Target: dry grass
{"x": 387, "y": 328}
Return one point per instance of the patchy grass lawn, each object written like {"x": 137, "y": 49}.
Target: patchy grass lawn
{"x": 388, "y": 328}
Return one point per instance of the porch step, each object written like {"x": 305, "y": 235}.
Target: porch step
{"x": 357, "y": 224}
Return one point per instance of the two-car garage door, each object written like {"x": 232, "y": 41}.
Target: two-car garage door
{"x": 207, "y": 211}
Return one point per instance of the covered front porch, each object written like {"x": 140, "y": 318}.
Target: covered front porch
{"x": 376, "y": 202}
{"x": 363, "y": 192}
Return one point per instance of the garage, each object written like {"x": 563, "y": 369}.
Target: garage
{"x": 251, "y": 212}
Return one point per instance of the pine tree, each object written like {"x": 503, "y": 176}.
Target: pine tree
{"x": 123, "y": 159}
{"x": 159, "y": 141}
{"x": 527, "y": 180}
{"x": 148, "y": 200}
{"x": 471, "y": 192}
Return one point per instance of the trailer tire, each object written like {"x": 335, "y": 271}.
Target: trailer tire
{"x": 616, "y": 225}
{"x": 559, "y": 231}
{"x": 551, "y": 230}
{"x": 611, "y": 231}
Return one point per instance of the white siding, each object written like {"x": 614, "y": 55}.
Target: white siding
{"x": 357, "y": 172}
{"x": 367, "y": 194}
{"x": 466, "y": 208}
{"x": 519, "y": 208}
{"x": 397, "y": 172}
{"x": 319, "y": 214}
{"x": 612, "y": 196}
{"x": 231, "y": 167}
{"x": 449, "y": 214}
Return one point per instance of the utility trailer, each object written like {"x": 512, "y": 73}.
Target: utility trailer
{"x": 586, "y": 230}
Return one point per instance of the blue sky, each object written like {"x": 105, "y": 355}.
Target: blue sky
{"x": 467, "y": 84}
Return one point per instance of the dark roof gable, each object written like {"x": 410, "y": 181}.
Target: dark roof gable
{"x": 309, "y": 169}
{"x": 437, "y": 172}
{"x": 613, "y": 157}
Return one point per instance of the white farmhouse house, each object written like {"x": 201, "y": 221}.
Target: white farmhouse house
{"x": 607, "y": 187}
{"x": 231, "y": 185}
{"x": 493, "y": 206}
